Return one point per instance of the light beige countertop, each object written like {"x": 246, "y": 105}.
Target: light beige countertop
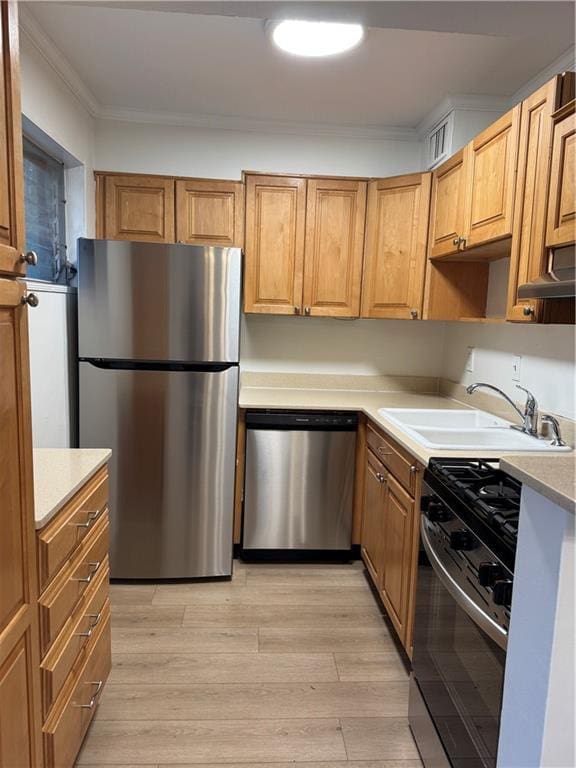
{"x": 289, "y": 392}
{"x": 59, "y": 473}
{"x": 552, "y": 476}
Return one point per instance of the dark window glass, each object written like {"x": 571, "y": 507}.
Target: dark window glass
{"x": 45, "y": 214}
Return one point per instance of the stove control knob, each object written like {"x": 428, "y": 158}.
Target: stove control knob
{"x": 489, "y": 574}
{"x": 438, "y": 513}
{"x": 462, "y": 539}
{"x": 502, "y": 592}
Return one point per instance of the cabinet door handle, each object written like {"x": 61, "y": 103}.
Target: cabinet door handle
{"x": 93, "y": 567}
{"x": 90, "y": 519}
{"x": 380, "y": 477}
{"x": 92, "y": 702}
{"x": 96, "y": 618}
{"x": 528, "y": 311}
{"x": 456, "y": 241}
{"x": 31, "y": 299}
{"x": 414, "y": 469}
{"x": 30, "y": 257}
{"x": 296, "y": 310}
{"x": 306, "y": 310}
{"x": 462, "y": 241}
{"x": 414, "y": 314}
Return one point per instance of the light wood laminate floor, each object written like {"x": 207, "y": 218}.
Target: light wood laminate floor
{"x": 281, "y": 665}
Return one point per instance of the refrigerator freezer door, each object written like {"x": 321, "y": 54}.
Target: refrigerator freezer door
{"x": 158, "y": 303}
{"x": 173, "y": 441}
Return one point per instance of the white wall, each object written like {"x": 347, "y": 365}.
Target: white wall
{"x": 52, "y": 111}
{"x": 547, "y": 367}
{"x": 325, "y": 345}
{"x": 186, "y": 151}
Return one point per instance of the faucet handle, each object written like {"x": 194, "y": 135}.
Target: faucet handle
{"x": 531, "y": 404}
{"x": 557, "y": 441}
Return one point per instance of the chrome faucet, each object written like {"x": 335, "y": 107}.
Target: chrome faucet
{"x": 529, "y": 417}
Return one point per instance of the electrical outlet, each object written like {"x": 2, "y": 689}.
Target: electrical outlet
{"x": 516, "y": 365}
{"x": 470, "y": 359}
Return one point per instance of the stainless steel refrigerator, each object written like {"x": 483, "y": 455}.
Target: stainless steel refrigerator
{"x": 158, "y": 342}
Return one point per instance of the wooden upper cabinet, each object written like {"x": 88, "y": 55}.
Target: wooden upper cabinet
{"x": 447, "y": 207}
{"x": 209, "y": 212}
{"x": 528, "y": 255}
{"x": 561, "y": 226}
{"x": 335, "y": 216}
{"x": 138, "y": 208}
{"x": 20, "y": 725}
{"x": 395, "y": 248}
{"x": 11, "y": 178}
{"x": 491, "y": 160}
{"x": 274, "y": 250}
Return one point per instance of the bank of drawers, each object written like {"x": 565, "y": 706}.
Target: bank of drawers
{"x": 74, "y": 612}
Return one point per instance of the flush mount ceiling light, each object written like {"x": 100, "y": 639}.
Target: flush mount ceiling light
{"x": 315, "y": 38}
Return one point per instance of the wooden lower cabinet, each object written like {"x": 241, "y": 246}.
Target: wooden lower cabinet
{"x": 74, "y": 610}
{"x": 20, "y": 744}
{"x": 390, "y": 536}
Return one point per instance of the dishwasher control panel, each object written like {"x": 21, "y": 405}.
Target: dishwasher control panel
{"x": 281, "y": 419}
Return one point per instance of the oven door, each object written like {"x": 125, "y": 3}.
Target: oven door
{"x": 458, "y": 673}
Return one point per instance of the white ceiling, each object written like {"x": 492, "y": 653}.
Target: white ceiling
{"x": 170, "y": 59}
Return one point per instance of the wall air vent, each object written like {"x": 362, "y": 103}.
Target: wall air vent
{"x": 439, "y": 141}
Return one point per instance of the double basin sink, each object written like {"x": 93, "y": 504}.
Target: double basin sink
{"x": 468, "y": 429}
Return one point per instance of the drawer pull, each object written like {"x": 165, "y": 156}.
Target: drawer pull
{"x": 382, "y": 452}
{"x": 94, "y": 698}
{"x": 96, "y": 618}
{"x": 91, "y": 517}
{"x": 414, "y": 469}
{"x": 93, "y": 568}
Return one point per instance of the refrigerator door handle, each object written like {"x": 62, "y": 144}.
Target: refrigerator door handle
{"x": 152, "y": 365}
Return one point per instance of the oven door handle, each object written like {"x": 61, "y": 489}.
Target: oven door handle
{"x": 485, "y": 622}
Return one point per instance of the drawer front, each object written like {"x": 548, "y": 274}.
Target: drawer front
{"x": 66, "y": 727}
{"x": 75, "y": 640}
{"x": 399, "y": 462}
{"x": 58, "y": 540}
{"x": 65, "y": 592}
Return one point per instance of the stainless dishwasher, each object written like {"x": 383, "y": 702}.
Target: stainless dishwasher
{"x": 299, "y": 480}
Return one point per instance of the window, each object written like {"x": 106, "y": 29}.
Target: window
{"x": 45, "y": 214}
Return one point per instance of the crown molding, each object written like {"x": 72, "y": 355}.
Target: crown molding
{"x": 565, "y": 62}
{"x": 30, "y": 27}
{"x": 464, "y": 103}
{"x": 256, "y": 125}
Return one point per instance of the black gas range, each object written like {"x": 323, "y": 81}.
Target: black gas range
{"x": 469, "y": 527}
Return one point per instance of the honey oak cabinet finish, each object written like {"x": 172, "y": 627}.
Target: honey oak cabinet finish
{"x": 209, "y": 212}
{"x": 138, "y": 208}
{"x": 335, "y": 216}
{"x": 491, "y": 160}
{"x": 447, "y": 207}
{"x": 11, "y": 175}
{"x": 395, "y": 249}
{"x": 398, "y": 522}
{"x": 20, "y": 744}
{"x": 390, "y": 528}
{"x": 372, "y": 533}
{"x": 561, "y": 227}
{"x": 274, "y": 251}
{"x": 528, "y": 256}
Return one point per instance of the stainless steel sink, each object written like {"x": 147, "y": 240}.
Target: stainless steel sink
{"x": 468, "y": 429}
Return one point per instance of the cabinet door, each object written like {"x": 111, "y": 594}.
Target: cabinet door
{"x": 335, "y": 216}
{"x": 274, "y": 251}
{"x": 19, "y": 648}
{"x": 561, "y": 228}
{"x": 209, "y": 212}
{"x": 447, "y": 208}
{"x": 492, "y": 157}
{"x": 371, "y": 537}
{"x": 395, "y": 250}
{"x": 11, "y": 183}
{"x": 139, "y": 208}
{"x": 398, "y": 522}
{"x": 528, "y": 255}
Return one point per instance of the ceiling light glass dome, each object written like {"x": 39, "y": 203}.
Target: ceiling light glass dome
{"x": 316, "y": 38}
